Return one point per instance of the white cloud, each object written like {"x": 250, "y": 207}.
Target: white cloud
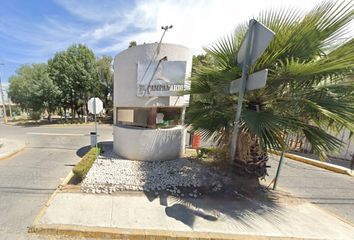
{"x": 108, "y": 26}
{"x": 195, "y": 23}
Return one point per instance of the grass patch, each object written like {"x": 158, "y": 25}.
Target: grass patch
{"x": 82, "y": 168}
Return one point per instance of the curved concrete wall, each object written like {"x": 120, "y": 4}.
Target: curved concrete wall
{"x": 149, "y": 144}
{"x": 125, "y": 74}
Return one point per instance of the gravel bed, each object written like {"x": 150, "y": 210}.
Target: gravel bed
{"x": 110, "y": 173}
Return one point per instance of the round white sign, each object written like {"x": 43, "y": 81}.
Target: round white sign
{"x": 95, "y": 105}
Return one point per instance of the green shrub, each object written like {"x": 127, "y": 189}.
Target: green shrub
{"x": 82, "y": 168}
{"x": 217, "y": 153}
{"x": 202, "y": 152}
{"x": 34, "y": 115}
{"x": 70, "y": 121}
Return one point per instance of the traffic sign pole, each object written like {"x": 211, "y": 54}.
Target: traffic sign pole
{"x": 3, "y": 99}
{"x": 95, "y": 112}
{"x": 245, "y": 67}
{"x": 255, "y": 42}
{"x": 95, "y": 105}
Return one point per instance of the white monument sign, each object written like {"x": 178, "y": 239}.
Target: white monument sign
{"x": 95, "y": 105}
{"x": 161, "y": 78}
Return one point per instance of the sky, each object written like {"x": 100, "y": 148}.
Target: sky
{"x": 32, "y": 31}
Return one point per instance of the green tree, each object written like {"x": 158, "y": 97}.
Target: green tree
{"x": 132, "y": 44}
{"x": 20, "y": 87}
{"x": 309, "y": 88}
{"x": 201, "y": 60}
{"x": 75, "y": 73}
{"x": 105, "y": 74}
{"x": 33, "y": 89}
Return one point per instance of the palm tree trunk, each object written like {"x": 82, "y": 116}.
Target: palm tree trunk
{"x": 251, "y": 159}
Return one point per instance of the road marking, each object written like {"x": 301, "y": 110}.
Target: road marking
{"x": 56, "y": 134}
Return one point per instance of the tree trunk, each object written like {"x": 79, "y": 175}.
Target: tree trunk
{"x": 65, "y": 117}
{"x": 73, "y": 114}
{"x": 49, "y": 117}
{"x": 251, "y": 159}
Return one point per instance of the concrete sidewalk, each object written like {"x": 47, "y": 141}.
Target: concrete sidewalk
{"x": 139, "y": 216}
{"x": 9, "y": 147}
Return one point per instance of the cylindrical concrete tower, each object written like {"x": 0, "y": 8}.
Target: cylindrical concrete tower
{"x": 148, "y": 103}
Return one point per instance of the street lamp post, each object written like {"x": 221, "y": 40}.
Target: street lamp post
{"x": 2, "y": 98}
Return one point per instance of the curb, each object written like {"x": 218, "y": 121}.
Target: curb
{"x": 49, "y": 201}
{"x": 67, "y": 125}
{"x": 57, "y": 125}
{"x": 13, "y": 153}
{"x": 147, "y": 234}
{"x": 67, "y": 179}
{"x": 316, "y": 163}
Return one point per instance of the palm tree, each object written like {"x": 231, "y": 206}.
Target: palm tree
{"x": 310, "y": 86}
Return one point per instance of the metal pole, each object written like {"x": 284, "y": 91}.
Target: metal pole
{"x": 9, "y": 101}
{"x": 244, "y": 77}
{"x": 157, "y": 51}
{"x": 278, "y": 170}
{"x": 2, "y": 99}
{"x": 94, "y": 110}
{"x": 280, "y": 163}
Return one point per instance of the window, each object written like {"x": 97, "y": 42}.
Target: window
{"x": 158, "y": 117}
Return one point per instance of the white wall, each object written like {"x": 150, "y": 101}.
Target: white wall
{"x": 149, "y": 144}
{"x": 142, "y": 143}
{"x": 345, "y": 152}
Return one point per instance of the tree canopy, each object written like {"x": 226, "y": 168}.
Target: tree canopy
{"x": 74, "y": 72}
{"x": 105, "y": 75}
{"x": 309, "y": 88}
{"x": 71, "y": 77}
{"x": 33, "y": 89}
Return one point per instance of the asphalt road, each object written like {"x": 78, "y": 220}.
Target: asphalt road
{"x": 331, "y": 191}
{"x": 29, "y": 178}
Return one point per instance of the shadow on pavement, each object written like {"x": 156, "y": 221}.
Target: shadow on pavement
{"x": 213, "y": 207}
{"x": 240, "y": 200}
{"x": 104, "y": 144}
{"x": 186, "y": 215}
{"x": 82, "y": 151}
{"x": 12, "y": 190}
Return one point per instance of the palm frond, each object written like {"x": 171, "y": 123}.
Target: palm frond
{"x": 310, "y": 85}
